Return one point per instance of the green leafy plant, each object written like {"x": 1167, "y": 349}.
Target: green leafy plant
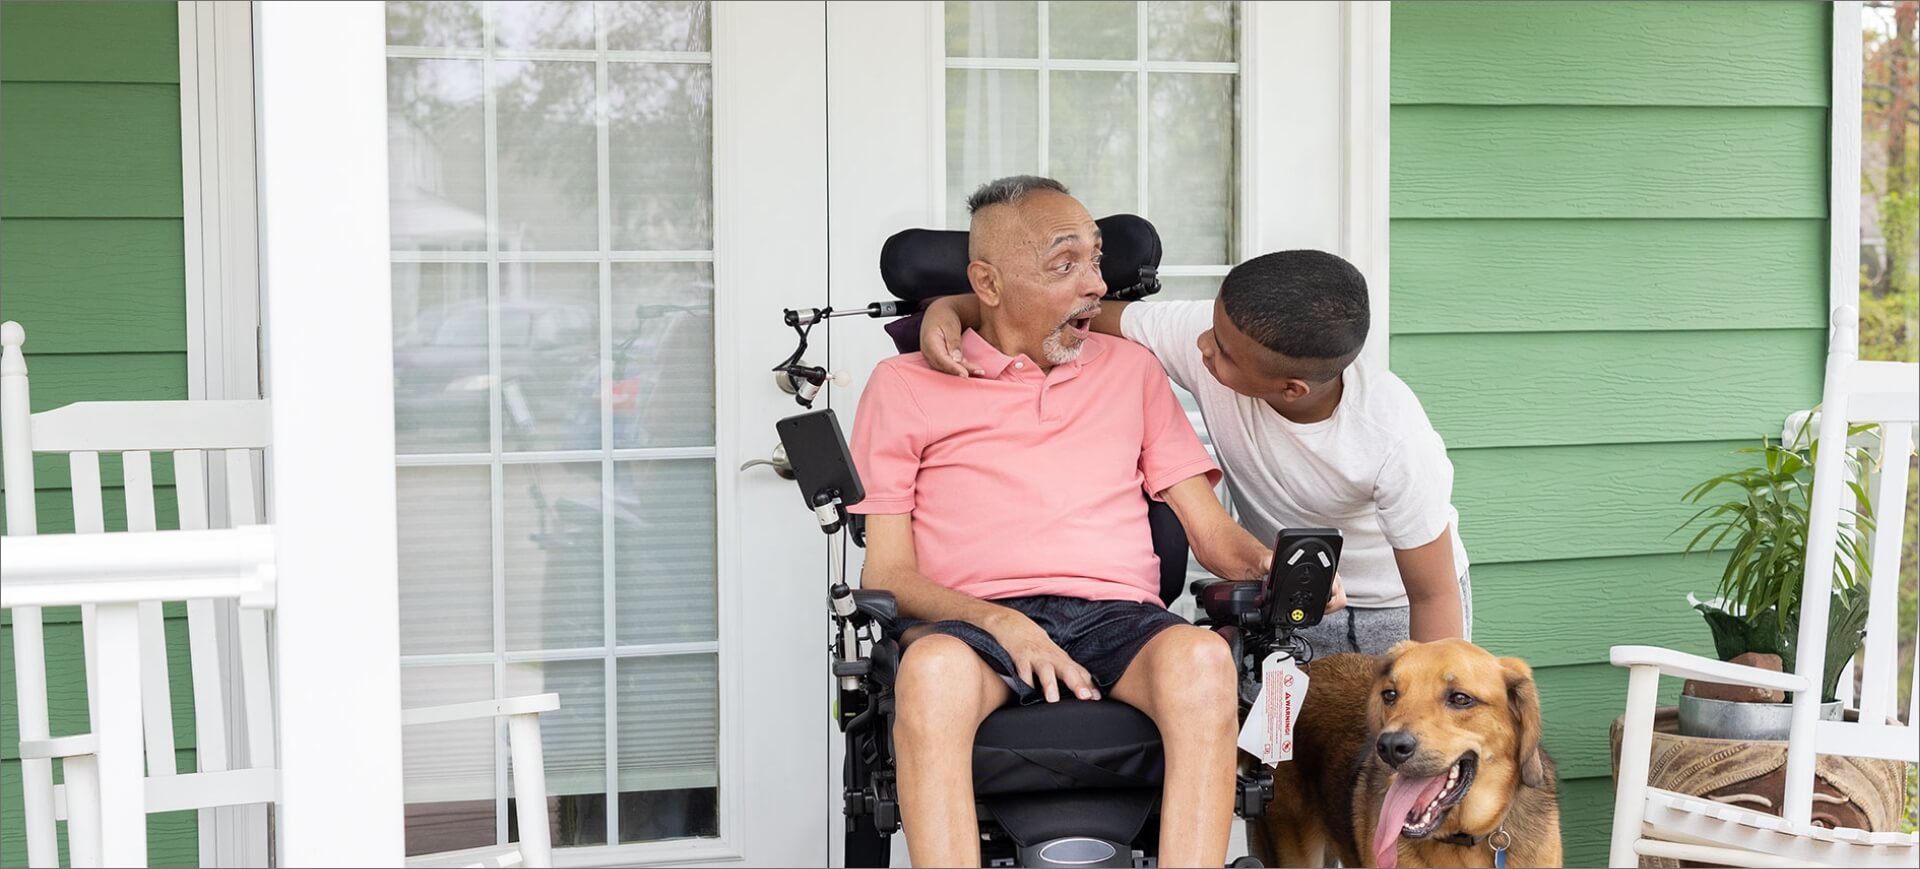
{"x": 1765, "y": 518}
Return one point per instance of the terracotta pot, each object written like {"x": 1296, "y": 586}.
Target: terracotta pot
{"x": 1861, "y": 792}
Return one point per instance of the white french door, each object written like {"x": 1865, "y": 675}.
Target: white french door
{"x": 598, "y": 211}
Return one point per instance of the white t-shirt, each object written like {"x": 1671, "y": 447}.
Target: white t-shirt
{"x": 1375, "y": 469}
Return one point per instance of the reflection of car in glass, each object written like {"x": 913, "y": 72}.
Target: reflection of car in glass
{"x": 546, "y": 349}
{"x": 663, "y": 378}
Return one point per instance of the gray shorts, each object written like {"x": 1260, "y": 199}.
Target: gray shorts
{"x": 1373, "y": 631}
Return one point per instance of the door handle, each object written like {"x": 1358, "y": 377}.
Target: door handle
{"x": 778, "y": 462}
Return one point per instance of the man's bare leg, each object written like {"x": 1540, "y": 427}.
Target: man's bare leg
{"x": 935, "y": 719}
{"x": 1183, "y": 679}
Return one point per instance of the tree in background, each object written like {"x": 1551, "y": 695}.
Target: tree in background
{"x": 1890, "y": 139}
{"x": 1890, "y": 202}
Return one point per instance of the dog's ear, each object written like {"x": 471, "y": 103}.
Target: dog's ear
{"x": 1524, "y": 699}
{"x": 1395, "y": 651}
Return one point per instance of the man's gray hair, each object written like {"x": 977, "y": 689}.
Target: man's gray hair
{"x": 1009, "y": 190}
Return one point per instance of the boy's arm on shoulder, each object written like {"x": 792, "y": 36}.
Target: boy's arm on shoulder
{"x": 1107, "y": 322}
{"x": 1433, "y": 589}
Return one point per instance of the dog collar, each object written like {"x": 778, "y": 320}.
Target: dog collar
{"x": 1462, "y": 839}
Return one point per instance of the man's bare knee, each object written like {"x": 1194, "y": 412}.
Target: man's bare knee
{"x": 1193, "y": 676}
{"x": 932, "y": 688}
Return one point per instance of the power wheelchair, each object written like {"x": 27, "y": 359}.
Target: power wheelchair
{"x": 1073, "y": 783}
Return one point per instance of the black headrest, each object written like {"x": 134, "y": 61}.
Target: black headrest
{"x": 923, "y": 264}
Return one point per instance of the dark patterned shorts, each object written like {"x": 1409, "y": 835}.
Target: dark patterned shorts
{"x": 1100, "y": 635}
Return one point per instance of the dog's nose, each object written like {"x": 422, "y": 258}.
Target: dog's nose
{"x": 1396, "y": 746}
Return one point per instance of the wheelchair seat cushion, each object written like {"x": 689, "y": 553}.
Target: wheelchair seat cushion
{"x": 1069, "y": 745}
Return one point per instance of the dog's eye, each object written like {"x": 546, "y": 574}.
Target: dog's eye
{"x": 1460, "y": 700}
{"x": 1388, "y": 696}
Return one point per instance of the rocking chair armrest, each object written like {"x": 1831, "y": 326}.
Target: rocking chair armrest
{"x": 530, "y": 703}
{"x": 1682, "y": 665}
{"x": 59, "y": 746}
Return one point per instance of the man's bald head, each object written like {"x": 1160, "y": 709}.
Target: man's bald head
{"x": 995, "y": 223}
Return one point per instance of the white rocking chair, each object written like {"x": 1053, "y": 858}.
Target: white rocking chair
{"x": 1651, "y": 822}
{"x": 121, "y": 581}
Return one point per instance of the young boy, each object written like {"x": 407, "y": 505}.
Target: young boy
{"x": 1308, "y": 435}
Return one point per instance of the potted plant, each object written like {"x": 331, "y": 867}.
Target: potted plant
{"x": 1755, "y": 617}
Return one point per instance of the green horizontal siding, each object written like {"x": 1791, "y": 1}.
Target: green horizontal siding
{"x": 90, "y": 42}
{"x": 1596, "y": 603}
{"x": 1589, "y": 803}
{"x": 1588, "y": 275}
{"x": 90, "y": 150}
{"x": 1578, "y": 161}
{"x": 63, "y": 378}
{"x": 1578, "y": 703}
{"x": 1610, "y": 387}
{"x": 1611, "y": 54}
{"x": 97, "y": 286}
{"x": 1554, "y": 503}
{"x": 1609, "y": 245}
{"x": 92, "y": 260}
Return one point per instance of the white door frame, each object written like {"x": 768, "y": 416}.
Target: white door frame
{"x": 221, "y": 240}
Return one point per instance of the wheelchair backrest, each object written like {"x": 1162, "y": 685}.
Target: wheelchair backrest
{"x": 920, "y": 265}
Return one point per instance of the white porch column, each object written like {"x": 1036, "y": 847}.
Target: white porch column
{"x": 323, "y": 187}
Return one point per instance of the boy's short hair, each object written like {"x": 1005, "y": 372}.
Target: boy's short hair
{"x": 1307, "y": 305}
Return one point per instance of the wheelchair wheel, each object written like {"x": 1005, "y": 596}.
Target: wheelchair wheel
{"x": 866, "y": 848}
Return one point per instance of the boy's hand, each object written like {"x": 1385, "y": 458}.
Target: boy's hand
{"x": 1338, "y": 599}
{"x": 940, "y": 331}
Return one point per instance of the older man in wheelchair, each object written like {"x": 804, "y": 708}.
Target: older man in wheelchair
{"x": 1026, "y": 686}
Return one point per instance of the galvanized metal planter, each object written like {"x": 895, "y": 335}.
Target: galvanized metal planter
{"x": 1726, "y": 719}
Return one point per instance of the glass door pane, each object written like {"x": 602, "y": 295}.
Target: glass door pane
{"x": 1133, "y": 106}
{"x": 551, "y": 168}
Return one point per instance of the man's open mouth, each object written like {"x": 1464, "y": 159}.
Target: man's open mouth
{"x": 1424, "y": 818}
{"x": 1082, "y": 320}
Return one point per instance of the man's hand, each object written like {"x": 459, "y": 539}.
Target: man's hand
{"x": 940, "y": 330}
{"x": 1037, "y": 660}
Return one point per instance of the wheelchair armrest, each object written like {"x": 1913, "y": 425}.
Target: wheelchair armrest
{"x": 879, "y": 606}
{"x": 1233, "y": 603}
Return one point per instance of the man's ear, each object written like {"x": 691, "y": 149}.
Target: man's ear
{"x": 1524, "y": 700}
{"x": 985, "y": 280}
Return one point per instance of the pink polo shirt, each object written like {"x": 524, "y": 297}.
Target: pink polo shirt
{"x": 1026, "y": 482}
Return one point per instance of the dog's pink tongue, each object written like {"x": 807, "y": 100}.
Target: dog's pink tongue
{"x": 1402, "y": 796}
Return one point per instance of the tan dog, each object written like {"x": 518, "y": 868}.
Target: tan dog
{"x": 1417, "y": 757}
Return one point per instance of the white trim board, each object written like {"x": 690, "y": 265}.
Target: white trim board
{"x": 220, "y": 232}
{"x": 323, "y": 184}
{"x": 1314, "y": 137}
{"x": 221, "y": 219}
{"x": 1843, "y": 187}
